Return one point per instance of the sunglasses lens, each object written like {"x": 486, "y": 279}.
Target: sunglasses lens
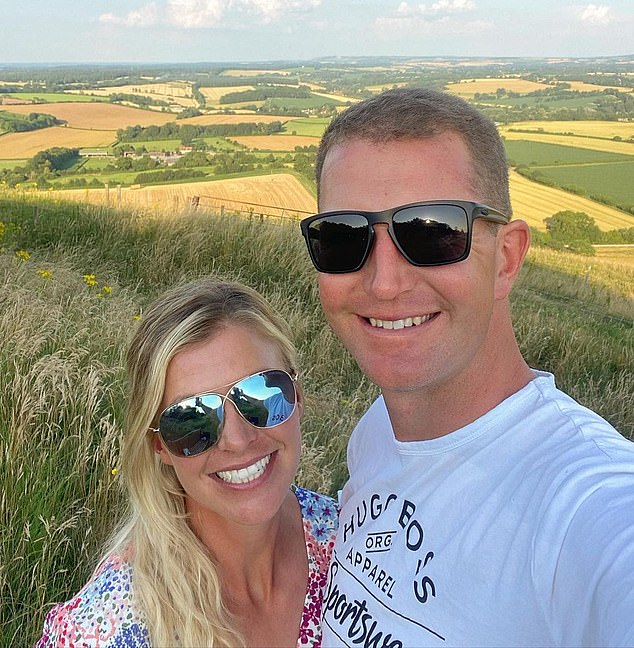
{"x": 339, "y": 242}
{"x": 265, "y": 399}
{"x": 192, "y": 425}
{"x": 432, "y": 234}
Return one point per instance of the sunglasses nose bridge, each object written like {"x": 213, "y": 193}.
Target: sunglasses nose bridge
{"x": 235, "y": 430}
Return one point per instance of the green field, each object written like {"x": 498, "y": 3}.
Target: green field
{"x": 97, "y": 163}
{"x": 613, "y": 181}
{"x": 11, "y": 164}
{"x": 309, "y": 127}
{"x": 55, "y": 97}
{"x": 522, "y": 152}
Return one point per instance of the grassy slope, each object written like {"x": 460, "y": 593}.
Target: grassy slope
{"x": 62, "y": 382}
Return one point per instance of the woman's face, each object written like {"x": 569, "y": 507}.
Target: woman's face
{"x": 216, "y": 492}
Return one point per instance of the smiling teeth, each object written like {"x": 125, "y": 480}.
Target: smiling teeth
{"x": 245, "y": 475}
{"x": 400, "y": 323}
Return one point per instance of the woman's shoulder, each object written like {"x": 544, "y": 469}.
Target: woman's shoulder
{"x": 101, "y": 614}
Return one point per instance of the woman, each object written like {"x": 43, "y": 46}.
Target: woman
{"x": 218, "y": 549}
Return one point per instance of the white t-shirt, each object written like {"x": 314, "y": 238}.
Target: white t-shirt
{"x": 516, "y": 530}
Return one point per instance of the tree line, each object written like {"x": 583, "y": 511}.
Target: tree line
{"x": 188, "y": 132}
{"x": 15, "y": 123}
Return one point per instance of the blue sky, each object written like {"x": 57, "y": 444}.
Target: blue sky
{"x": 67, "y": 31}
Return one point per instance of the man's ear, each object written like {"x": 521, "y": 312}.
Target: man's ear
{"x": 513, "y": 241}
{"x": 161, "y": 451}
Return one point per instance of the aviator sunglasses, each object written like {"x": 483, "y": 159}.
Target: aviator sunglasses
{"x": 193, "y": 425}
{"x": 430, "y": 233}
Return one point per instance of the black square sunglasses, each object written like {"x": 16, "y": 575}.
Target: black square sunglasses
{"x": 429, "y": 233}
{"x": 193, "y": 425}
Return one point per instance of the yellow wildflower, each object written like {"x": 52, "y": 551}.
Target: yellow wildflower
{"x": 114, "y": 471}
{"x": 23, "y": 255}
{"x": 107, "y": 290}
{"x": 45, "y": 274}
{"x": 136, "y": 317}
{"x": 90, "y": 280}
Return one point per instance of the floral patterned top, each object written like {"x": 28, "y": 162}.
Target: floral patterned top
{"x": 102, "y": 614}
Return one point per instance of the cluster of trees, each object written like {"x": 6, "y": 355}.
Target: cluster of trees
{"x": 577, "y": 232}
{"x": 41, "y": 167}
{"x": 188, "y": 132}
{"x": 137, "y": 99}
{"x": 168, "y": 175}
{"x": 267, "y": 92}
{"x": 15, "y": 123}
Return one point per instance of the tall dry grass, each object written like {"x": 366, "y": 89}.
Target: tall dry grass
{"x": 62, "y": 383}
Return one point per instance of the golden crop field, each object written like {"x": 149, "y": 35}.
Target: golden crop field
{"x": 179, "y": 92}
{"x": 16, "y": 146}
{"x": 213, "y": 94}
{"x": 589, "y": 128}
{"x": 98, "y": 115}
{"x": 276, "y": 142}
{"x": 620, "y": 254}
{"x": 581, "y": 86}
{"x": 468, "y": 87}
{"x": 279, "y": 194}
{"x": 533, "y": 202}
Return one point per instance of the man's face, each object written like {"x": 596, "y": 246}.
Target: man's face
{"x": 436, "y": 321}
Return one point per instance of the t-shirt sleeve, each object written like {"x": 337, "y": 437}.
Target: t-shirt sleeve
{"x": 593, "y": 582}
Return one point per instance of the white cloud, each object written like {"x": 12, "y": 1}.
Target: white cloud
{"x": 440, "y": 7}
{"x": 425, "y": 19}
{"x": 273, "y": 9}
{"x": 597, "y": 14}
{"x": 142, "y": 17}
{"x": 196, "y": 13}
{"x": 193, "y": 14}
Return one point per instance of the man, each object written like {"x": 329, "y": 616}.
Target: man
{"x": 484, "y": 506}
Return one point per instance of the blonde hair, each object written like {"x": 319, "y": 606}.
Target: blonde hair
{"x": 175, "y": 582}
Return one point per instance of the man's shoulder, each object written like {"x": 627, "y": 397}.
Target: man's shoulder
{"x": 101, "y": 613}
{"x": 587, "y": 429}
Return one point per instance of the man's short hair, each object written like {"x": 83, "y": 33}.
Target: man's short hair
{"x": 418, "y": 113}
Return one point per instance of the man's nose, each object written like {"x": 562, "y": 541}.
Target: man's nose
{"x": 387, "y": 273}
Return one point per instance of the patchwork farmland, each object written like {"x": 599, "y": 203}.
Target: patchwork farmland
{"x": 592, "y": 156}
{"x": 533, "y": 202}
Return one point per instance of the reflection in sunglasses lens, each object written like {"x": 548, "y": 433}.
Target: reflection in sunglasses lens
{"x": 340, "y": 242}
{"x": 432, "y": 234}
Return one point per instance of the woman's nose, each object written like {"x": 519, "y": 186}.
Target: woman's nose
{"x": 236, "y": 433}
